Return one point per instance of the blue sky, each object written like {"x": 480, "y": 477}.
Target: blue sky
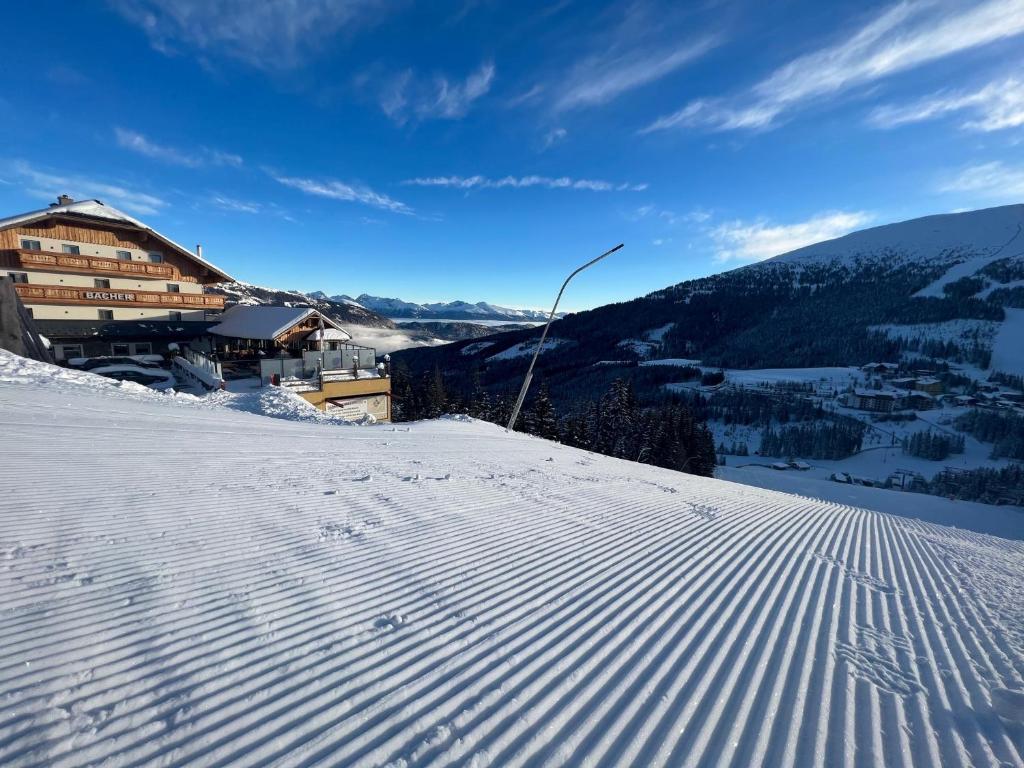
{"x": 481, "y": 150}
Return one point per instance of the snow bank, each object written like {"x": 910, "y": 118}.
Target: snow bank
{"x": 1008, "y": 346}
{"x": 476, "y": 346}
{"x": 526, "y": 349}
{"x": 186, "y": 584}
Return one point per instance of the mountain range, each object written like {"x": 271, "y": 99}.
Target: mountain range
{"x": 446, "y": 310}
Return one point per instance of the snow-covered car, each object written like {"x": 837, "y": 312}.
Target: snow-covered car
{"x": 155, "y": 378}
{"x": 92, "y": 363}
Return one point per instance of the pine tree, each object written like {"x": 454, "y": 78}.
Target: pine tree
{"x": 541, "y": 419}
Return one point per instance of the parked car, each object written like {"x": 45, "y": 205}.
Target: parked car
{"x": 155, "y": 378}
{"x": 92, "y": 363}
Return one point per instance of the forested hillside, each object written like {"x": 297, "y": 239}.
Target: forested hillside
{"x": 871, "y": 296}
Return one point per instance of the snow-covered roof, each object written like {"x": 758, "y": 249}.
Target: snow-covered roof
{"x": 330, "y": 334}
{"x": 263, "y": 322}
{"x": 879, "y": 393}
{"x": 96, "y": 209}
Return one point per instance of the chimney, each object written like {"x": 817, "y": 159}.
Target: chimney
{"x": 199, "y": 250}
{"x": 65, "y": 200}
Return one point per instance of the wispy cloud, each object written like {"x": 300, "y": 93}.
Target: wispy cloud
{"x": 650, "y": 211}
{"x": 997, "y": 106}
{"x": 603, "y": 77}
{"x": 235, "y": 206}
{"x": 453, "y": 100}
{"x": 268, "y": 35}
{"x": 405, "y": 95}
{"x": 523, "y": 182}
{"x": 554, "y": 136}
{"x": 47, "y": 185}
{"x": 201, "y": 156}
{"x": 759, "y": 240}
{"x": 339, "y": 190}
{"x": 991, "y": 180}
{"x": 906, "y": 35}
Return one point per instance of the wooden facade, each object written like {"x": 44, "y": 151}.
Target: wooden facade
{"x": 63, "y": 295}
{"x": 51, "y": 261}
{"x": 175, "y": 263}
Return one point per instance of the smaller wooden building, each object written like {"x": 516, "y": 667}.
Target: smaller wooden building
{"x": 304, "y": 350}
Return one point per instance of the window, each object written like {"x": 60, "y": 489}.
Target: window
{"x": 72, "y": 249}
{"x": 173, "y": 288}
{"x": 143, "y": 348}
{"x": 65, "y": 351}
{"x": 124, "y": 255}
{"x": 174, "y": 316}
{"x": 18, "y": 277}
{"x": 120, "y": 350}
{"x": 106, "y": 314}
{"x": 156, "y": 258}
{"x": 101, "y": 282}
{"x": 31, "y": 245}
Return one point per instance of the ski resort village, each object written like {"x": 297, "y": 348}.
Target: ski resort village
{"x": 478, "y": 384}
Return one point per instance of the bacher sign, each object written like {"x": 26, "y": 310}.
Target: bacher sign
{"x": 107, "y": 296}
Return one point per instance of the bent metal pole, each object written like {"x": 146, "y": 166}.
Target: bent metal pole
{"x": 543, "y": 336}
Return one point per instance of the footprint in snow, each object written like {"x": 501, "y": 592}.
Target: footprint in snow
{"x": 390, "y": 621}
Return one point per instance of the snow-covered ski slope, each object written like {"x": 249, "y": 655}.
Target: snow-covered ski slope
{"x": 183, "y": 584}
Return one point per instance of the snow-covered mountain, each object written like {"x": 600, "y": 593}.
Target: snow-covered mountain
{"x": 450, "y": 310}
{"x": 974, "y": 237}
{"x": 345, "y": 312}
{"x": 298, "y": 591}
{"x": 984, "y": 235}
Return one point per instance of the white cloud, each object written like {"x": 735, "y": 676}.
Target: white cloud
{"x": 554, "y": 136}
{"x": 406, "y": 95}
{"x": 136, "y": 142}
{"x": 605, "y": 76}
{"x": 992, "y": 180}
{"x": 339, "y": 190}
{"x": 453, "y": 100}
{"x": 906, "y": 35}
{"x": 997, "y": 106}
{"x": 235, "y": 206}
{"x": 268, "y": 35}
{"x": 522, "y": 182}
{"x": 47, "y": 185}
{"x": 694, "y": 216}
{"x": 759, "y": 240}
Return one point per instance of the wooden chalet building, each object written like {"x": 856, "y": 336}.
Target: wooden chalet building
{"x": 307, "y": 352}
{"x": 99, "y": 282}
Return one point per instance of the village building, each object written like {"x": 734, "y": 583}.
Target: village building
{"x": 304, "y": 350}
{"x": 930, "y": 385}
{"x": 919, "y": 401}
{"x": 905, "y": 382}
{"x": 880, "y": 369}
{"x": 99, "y": 282}
{"x": 872, "y": 400}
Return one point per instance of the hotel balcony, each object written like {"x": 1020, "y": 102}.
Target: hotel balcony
{"x": 30, "y": 293}
{"x": 48, "y": 261}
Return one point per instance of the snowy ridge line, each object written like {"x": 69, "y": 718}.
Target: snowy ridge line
{"x": 304, "y": 594}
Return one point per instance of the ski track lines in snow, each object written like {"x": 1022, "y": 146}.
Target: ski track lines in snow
{"x": 197, "y": 586}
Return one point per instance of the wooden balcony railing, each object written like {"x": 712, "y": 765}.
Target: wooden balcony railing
{"x": 54, "y": 294}
{"x": 68, "y": 262}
